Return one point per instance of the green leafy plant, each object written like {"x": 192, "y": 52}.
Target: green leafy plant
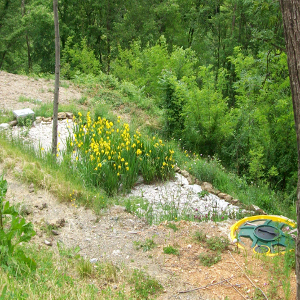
{"x": 84, "y": 268}
{"x": 172, "y": 226}
{"x": 203, "y": 193}
{"x": 170, "y": 250}
{"x": 26, "y": 121}
{"x": 200, "y": 236}
{"x": 218, "y": 243}
{"x": 13, "y": 231}
{"x": 147, "y": 245}
{"x": 68, "y": 252}
{"x": 209, "y": 259}
{"x": 144, "y": 285}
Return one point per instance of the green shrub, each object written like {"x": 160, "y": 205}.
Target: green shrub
{"x": 78, "y": 59}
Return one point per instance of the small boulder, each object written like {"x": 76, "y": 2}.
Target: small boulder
{"x": 222, "y": 195}
{"x": 69, "y": 115}
{"x": 47, "y": 119}
{"x": 13, "y": 123}
{"x": 61, "y": 116}
{"x": 47, "y": 243}
{"x": 38, "y": 120}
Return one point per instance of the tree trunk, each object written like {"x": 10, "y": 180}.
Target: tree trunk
{"x": 290, "y": 10}
{"x": 27, "y": 40}
{"x": 108, "y": 29}
{"x": 56, "y": 87}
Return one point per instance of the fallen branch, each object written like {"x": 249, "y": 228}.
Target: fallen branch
{"x": 248, "y": 276}
{"x": 205, "y": 286}
{"x": 236, "y": 289}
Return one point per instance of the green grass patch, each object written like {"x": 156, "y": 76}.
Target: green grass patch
{"x": 30, "y": 100}
{"x": 200, "y": 236}
{"x": 209, "y": 259}
{"x": 147, "y": 245}
{"x": 172, "y": 226}
{"x": 171, "y": 250}
{"x": 44, "y": 172}
{"x": 144, "y": 286}
{"x": 6, "y": 116}
{"x": 211, "y": 170}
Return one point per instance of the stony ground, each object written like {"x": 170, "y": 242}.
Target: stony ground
{"x": 111, "y": 235}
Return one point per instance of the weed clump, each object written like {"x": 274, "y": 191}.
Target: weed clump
{"x": 171, "y": 250}
{"x": 209, "y": 259}
{"x": 218, "y": 243}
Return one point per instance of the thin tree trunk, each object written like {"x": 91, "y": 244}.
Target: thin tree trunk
{"x": 108, "y": 28}
{"x": 233, "y": 20}
{"x": 56, "y": 87}
{"x": 290, "y": 10}
{"x": 2, "y": 59}
{"x": 27, "y": 39}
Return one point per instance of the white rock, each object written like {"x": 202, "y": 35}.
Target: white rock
{"x": 4, "y": 126}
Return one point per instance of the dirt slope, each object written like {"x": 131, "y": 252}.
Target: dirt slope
{"x": 111, "y": 236}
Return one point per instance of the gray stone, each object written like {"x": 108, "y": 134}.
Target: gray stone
{"x": 61, "y": 116}
{"x": 258, "y": 209}
{"x": 228, "y": 198}
{"x": 47, "y": 119}
{"x": 235, "y": 201}
{"x": 93, "y": 260}
{"x": 222, "y": 195}
{"x": 47, "y": 243}
{"x": 69, "y": 115}
{"x": 23, "y": 113}
{"x": 207, "y": 187}
{"x": 38, "y": 120}
{"x": 13, "y": 123}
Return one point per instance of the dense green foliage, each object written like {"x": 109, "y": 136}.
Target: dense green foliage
{"x": 217, "y": 70}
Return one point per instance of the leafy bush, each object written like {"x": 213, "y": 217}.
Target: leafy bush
{"x": 13, "y": 231}
{"x": 78, "y": 59}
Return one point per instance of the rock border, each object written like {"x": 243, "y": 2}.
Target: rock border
{"x": 206, "y": 186}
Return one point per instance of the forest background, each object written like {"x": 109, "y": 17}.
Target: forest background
{"x": 216, "y": 71}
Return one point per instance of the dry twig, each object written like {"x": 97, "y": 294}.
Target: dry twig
{"x": 248, "y": 276}
{"x": 236, "y": 289}
{"x": 205, "y": 286}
